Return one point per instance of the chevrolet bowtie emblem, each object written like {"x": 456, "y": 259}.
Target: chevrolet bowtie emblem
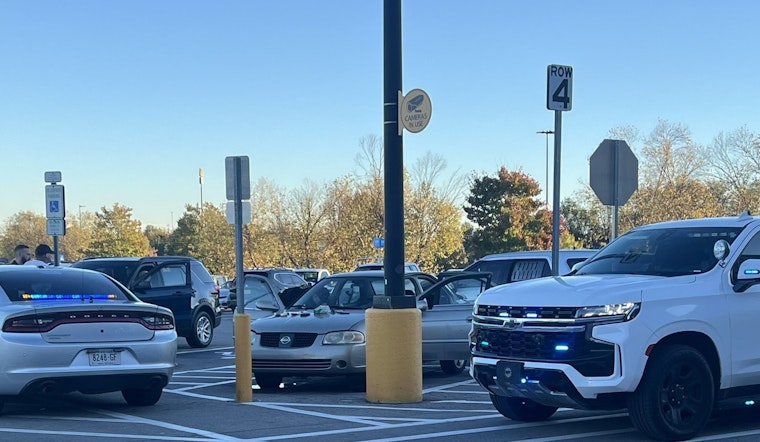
{"x": 512, "y": 323}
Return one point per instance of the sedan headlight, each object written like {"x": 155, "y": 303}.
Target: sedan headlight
{"x": 626, "y": 311}
{"x": 343, "y": 337}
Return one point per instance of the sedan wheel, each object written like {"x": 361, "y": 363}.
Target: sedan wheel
{"x": 454, "y": 366}
{"x": 202, "y": 331}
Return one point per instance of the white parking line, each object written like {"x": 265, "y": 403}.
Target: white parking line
{"x": 442, "y": 421}
{"x": 112, "y": 436}
{"x": 499, "y": 428}
{"x": 210, "y": 435}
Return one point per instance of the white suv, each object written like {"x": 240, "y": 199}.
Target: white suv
{"x": 662, "y": 321}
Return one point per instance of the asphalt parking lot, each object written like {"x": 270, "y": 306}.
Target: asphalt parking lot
{"x": 199, "y": 405}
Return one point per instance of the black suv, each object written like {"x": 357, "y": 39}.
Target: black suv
{"x": 289, "y": 284}
{"x": 179, "y": 283}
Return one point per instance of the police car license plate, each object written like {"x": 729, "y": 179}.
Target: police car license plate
{"x": 104, "y": 357}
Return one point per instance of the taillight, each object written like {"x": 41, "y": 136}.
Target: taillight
{"x": 45, "y": 323}
{"x": 158, "y": 322}
{"x": 26, "y": 324}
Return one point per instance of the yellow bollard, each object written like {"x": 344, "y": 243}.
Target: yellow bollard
{"x": 243, "y": 368}
{"x": 394, "y": 355}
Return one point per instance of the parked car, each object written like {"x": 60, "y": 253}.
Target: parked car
{"x": 408, "y": 267}
{"x": 66, "y": 330}
{"x": 221, "y": 281}
{"x": 288, "y": 285}
{"x": 179, "y": 283}
{"x": 519, "y": 266}
{"x": 312, "y": 275}
{"x": 323, "y": 333}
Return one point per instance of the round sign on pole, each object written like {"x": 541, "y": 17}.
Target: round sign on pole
{"x": 415, "y": 110}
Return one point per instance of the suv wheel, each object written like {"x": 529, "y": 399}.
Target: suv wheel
{"x": 202, "y": 331}
{"x": 520, "y": 409}
{"x": 675, "y": 397}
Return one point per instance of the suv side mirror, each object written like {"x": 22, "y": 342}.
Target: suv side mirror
{"x": 748, "y": 275}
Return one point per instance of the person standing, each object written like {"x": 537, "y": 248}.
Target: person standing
{"x": 21, "y": 254}
{"x": 43, "y": 256}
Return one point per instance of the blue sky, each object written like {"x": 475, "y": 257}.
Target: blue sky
{"x": 128, "y": 99}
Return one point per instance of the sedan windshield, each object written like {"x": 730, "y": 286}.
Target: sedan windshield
{"x": 660, "y": 252}
{"x": 355, "y": 292}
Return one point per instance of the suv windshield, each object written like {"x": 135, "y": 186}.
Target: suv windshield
{"x": 660, "y": 252}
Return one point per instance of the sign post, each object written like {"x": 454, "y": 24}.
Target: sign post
{"x": 559, "y": 98}
{"x": 238, "y": 189}
{"x": 55, "y": 209}
{"x": 614, "y": 176}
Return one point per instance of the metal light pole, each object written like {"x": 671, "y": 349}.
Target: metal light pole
{"x": 546, "y": 190}
{"x": 200, "y": 181}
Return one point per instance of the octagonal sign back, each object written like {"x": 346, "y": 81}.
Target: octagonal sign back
{"x": 613, "y": 172}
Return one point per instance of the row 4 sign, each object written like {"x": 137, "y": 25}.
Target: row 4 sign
{"x": 559, "y": 87}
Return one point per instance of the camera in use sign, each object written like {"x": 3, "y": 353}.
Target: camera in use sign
{"x": 414, "y": 111}
{"x": 559, "y": 87}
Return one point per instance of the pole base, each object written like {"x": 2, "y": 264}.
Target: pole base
{"x": 394, "y": 355}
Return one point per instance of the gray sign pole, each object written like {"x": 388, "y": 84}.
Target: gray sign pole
{"x": 559, "y": 98}
{"x": 238, "y": 202}
{"x": 616, "y": 190}
{"x": 555, "y": 202}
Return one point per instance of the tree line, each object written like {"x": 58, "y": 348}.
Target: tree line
{"x": 332, "y": 225}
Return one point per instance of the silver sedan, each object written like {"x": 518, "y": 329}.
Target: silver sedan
{"x": 323, "y": 333}
{"x": 66, "y": 329}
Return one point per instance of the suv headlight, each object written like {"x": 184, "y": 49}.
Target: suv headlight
{"x": 625, "y": 311}
{"x": 343, "y": 337}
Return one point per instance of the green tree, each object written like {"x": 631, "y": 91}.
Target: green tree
{"x": 158, "y": 238}
{"x": 587, "y": 220}
{"x": 115, "y": 233}
{"x": 79, "y": 236}
{"x": 433, "y": 227}
{"x": 23, "y": 228}
{"x": 506, "y": 214}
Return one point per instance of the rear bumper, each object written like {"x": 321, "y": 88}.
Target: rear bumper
{"x": 32, "y": 364}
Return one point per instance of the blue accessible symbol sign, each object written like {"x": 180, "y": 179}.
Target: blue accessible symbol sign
{"x": 378, "y": 243}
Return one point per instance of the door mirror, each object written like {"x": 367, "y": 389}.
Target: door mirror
{"x": 748, "y": 275}
{"x": 266, "y": 304}
{"x": 422, "y": 304}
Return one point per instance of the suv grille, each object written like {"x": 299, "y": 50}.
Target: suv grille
{"x": 527, "y": 312}
{"x": 590, "y": 358}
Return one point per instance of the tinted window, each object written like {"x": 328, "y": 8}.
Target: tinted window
{"x": 255, "y": 288}
{"x": 93, "y": 287}
{"x": 309, "y": 276}
{"x": 200, "y": 271}
{"x": 119, "y": 270}
{"x": 499, "y": 270}
{"x": 173, "y": 275}
{"x": 523, "y": 269}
